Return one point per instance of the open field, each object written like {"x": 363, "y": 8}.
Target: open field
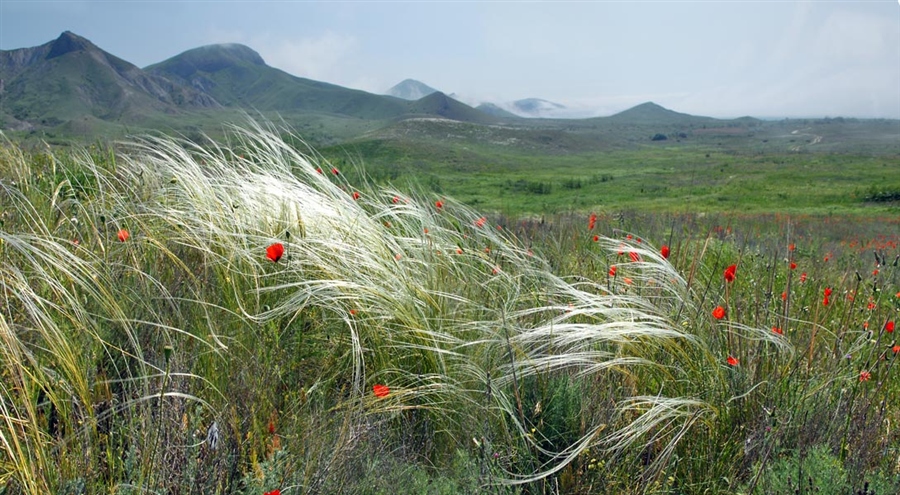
{"x": 765, "y": 167}
{"x": 247, "y": 319}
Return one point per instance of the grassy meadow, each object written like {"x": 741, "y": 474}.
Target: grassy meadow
{"x": 252, "y": 318}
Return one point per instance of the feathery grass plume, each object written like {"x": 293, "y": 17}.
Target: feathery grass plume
{"x": 69, "y": 331}
{"x": 433, "y": 298}
{"x": 455, "y": 316}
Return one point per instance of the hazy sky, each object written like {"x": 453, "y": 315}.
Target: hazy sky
{"x": 719, "y": 58}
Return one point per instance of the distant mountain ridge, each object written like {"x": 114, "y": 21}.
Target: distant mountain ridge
{"x": 410, "y": 89}
{"x": 71, "y": 80}
{"x": 71, "y": 77}
{"x": 237, "y": 76}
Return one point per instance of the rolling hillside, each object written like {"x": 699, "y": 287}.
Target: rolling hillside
{"x": 71, "y": 78}
{"x": 236, "y": 76}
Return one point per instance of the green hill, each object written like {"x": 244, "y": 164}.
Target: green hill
{"x": 651, "y": 113}
{"x": 237, "y": 76}
{"x": 440, "y": 105}
{"x": 71, "y": 78}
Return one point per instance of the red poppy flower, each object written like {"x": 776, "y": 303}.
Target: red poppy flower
{"x": 496, "y": 270}
{"x": 380, "y": 390}
{"x": 596, "y": 238}
{"x": 784, "y": 296}
{"x": 718, "y": 313}
{"x": 123, "y": 235}
{"x": 592, "y": 220}
{"x": 875, "y": 272}
{"x": 664, "y": 251}
{"x": 271, "y": 427}
{"x": 458, "y": 250}
{"x": 732, "y": 361}
{"x": 864, "y": 376}
{"x": 634, "y": 256}
{"x": 803, "y": 277}
{"x": 275, "y": 252}
{"x": 896, "y": 349}
{"x": 355, "y": 194}
{"x": 871, "y": 305}
{"x": 889, "y": 327}
{"x": 335, "y": 171}
{"x": 318, "y": 170}
{"x": 395, "y": 200}
{"x": 730, "y": 273}
{"x": 353, "y": 312}
{"x": 793, "y": 266}
{"x": 612, "y": 271}
{"x": 825, "y": 301}
{"x": 480, "y": 222}
{"x": 827, "y": 291}
{"x": 273, "y": 492}
{"x": 791, "y": 247}
{"x": 439, "y": 204}
{"x": 778, "y": 330}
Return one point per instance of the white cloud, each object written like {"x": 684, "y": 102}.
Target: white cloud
{"x": 323, "y": 58}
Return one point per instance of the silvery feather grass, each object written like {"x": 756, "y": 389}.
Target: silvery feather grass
{"x": 448, "y": 310}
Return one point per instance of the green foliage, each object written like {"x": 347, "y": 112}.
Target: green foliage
{"x": 513, "y": 350}
{"x": 819, "y": 471}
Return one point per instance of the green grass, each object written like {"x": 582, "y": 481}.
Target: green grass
{"x": 518, "y": 360}
{"x": 661, "y": 178}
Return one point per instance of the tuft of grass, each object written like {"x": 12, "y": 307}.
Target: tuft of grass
{"x": 563, "y": 356}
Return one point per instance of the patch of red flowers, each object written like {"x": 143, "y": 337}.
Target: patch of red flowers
{"x": 825, "y": 299}
{"x": 718, "y": 313}
{"x": 664, "y": 251}
{"x": 730, "y": 273}
{"x": 380, "y": 390}
{"x": 275, "y": 252}
{"x": 592, "y": 220}
{"x": 778, "y": 330}
{"x": 480, "y": 222}
{"x": 123, "y": 235}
